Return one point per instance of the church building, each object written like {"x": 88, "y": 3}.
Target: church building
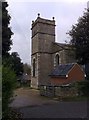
{"x": 46, "y": 53}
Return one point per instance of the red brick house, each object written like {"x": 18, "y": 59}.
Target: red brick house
{"x": 66, "y": 74}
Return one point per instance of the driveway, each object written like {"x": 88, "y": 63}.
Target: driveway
{"x": 32, "y": 105}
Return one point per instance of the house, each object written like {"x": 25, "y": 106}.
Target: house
{"x": 25, "y": 79}
{"x": 66, "y": 74}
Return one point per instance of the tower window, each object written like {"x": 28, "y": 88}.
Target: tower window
{"x": 57, "y": 60}
{"x": 34, "y": 67}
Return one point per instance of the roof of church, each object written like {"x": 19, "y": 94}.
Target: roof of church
{"x": 59, "y": 44}
{"x": 62, "y": 44}
{"x": 62, "y": 70}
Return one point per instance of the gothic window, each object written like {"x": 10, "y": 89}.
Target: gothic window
{"x": 34, "y": 62}
{"x": 57, "y": 60}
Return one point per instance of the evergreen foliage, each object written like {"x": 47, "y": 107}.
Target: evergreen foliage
{"x": 11, "y": 67}
{"x": 83, "y": 88}
{"x": 8, "y": 85}
{"x": 80, "y": 38}
{"x": 16, "y": 63}
{"x": 27, "y": 69}
{"x": 6, "y": 30}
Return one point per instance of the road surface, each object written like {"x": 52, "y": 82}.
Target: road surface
{"x": 32, "y": 105}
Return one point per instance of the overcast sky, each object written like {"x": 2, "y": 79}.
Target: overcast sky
{"x": 66, "y": 13}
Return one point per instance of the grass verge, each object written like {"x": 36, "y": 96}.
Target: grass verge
{"x": 73, "y": 98}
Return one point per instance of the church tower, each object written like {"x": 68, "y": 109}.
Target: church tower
{"x": 43, "y": 35}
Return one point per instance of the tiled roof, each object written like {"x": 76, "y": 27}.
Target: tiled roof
{"x": 62, "y": 70}
{"x": 25, "y": 77}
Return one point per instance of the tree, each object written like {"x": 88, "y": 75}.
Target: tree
{"x": 6, "y": 31}
{"x": 8, "y": 74}
{"x": 16, "y": 63}
{"x": 80, "y": 38}
{"x": 27, "y": 68}
{"x": 0, "y": 30}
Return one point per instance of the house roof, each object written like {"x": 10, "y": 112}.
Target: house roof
{"x": 62, "y": 70}
{"x": 25, "y": 76}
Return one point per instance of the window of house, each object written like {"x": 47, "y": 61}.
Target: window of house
{"x": 34, "y": 62}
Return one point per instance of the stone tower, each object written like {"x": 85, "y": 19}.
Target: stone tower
{"x": 43, "y": 35}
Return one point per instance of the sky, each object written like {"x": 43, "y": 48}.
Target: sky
{"x": 22, "y": 12}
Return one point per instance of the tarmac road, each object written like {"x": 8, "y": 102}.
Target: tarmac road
{"x": 56, "y": 110}
{"x": 32, "y": 105}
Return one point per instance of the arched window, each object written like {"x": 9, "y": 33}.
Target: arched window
{"x": 57, "y": 60}
{"x": 34, "y": 62}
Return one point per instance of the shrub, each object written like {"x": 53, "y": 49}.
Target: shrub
{"x": 8, "y": 85}
{"x": 83, "y": 87}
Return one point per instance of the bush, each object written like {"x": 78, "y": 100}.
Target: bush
{"x": 0, "y": 91}
{"x": 8, "y": 85}
{"x": 83, "y": 87}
